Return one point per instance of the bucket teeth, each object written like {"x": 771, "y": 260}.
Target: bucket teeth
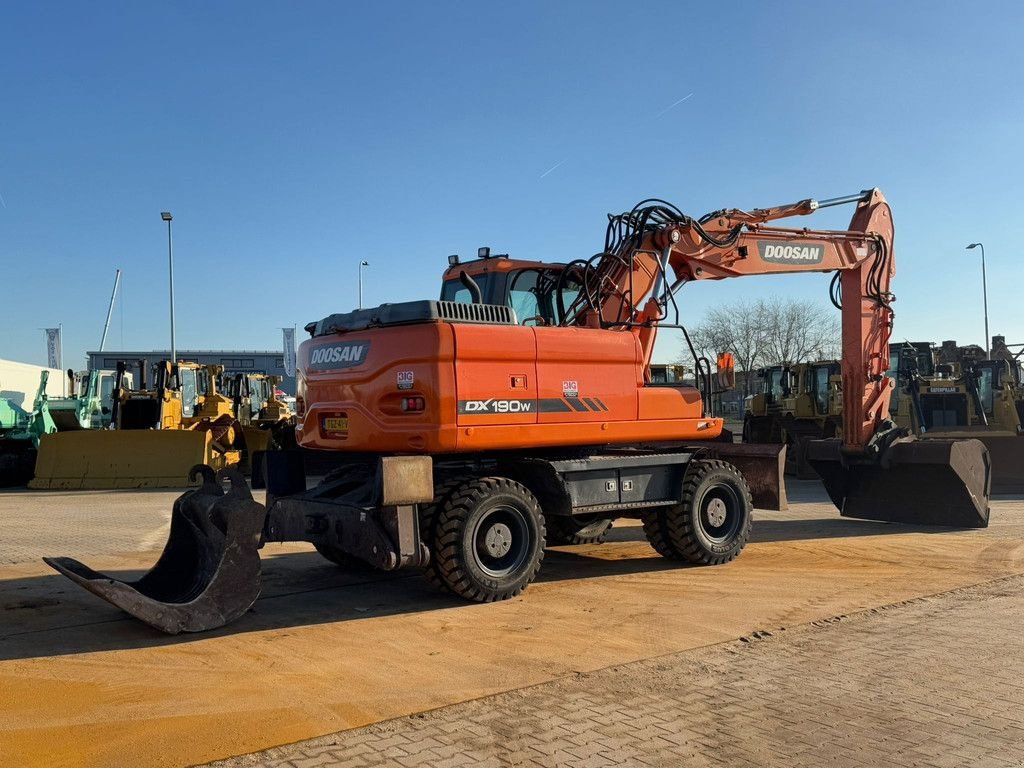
{"x": 919, "y": 482}
{"x": 209, "y": 571}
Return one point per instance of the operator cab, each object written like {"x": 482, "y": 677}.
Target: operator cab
{"x": 538, "y": 292}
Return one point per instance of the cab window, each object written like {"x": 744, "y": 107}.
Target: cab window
{"x": 454, "y": 290}
{"x": 821, "y": 377}
{"x": 775, "y": 383}
{"x": 106, "y": 391}
{"x": 187, "y": 380}
{"x": 985, "y": 387}
{"x": 523, "y": 297}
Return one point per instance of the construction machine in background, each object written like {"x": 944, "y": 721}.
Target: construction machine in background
{"x": 20, "y": 435}
{"x": 267, "y": 421}
{"x": 159, "y": 433}
{"x": 797, "y": 403}
{"x": 90, "y": 401}
{"x": 467, "y": 425}
{"x": 951, "y": 392}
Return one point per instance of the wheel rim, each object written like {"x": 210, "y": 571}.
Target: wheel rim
{"x": 501, "y": 541}
{"x": 721, "y": 513}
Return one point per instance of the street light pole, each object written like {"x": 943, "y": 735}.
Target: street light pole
{"x": 984, "y": 292}
{"x": 361, "y": 265}
{"x": 166, "y": 216}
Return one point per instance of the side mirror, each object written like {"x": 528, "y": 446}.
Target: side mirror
{"x": 726, "y": 374}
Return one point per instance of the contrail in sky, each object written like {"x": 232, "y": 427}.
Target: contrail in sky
{"x": 670, "y": 107}
{"x": 673, "y": 105}
{"x": 3, "y": 202}
{"x": 549, "y": 170}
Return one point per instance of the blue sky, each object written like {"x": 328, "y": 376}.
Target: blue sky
{"x": 292, "y": 141}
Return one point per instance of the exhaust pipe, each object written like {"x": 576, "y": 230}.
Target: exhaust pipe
{"x": 919, "y": 482}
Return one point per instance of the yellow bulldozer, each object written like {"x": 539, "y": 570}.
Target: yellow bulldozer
{"x": 798, "y": 402}
{"x": 157, "y": 434}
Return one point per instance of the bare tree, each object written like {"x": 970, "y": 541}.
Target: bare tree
{"x": 766, "y": 332}
{"x": 798, "y": 330}
{"x": 735, "y": 328}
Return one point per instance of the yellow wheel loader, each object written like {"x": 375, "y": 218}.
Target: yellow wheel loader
{"x": 157, "y": 435}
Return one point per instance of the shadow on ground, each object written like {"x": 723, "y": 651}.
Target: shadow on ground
{"x": 50, "y": 616}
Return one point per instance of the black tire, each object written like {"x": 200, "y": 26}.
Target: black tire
{"x": 443, "y": 488}
{"x": 565, "y": 530}
{"x": 490, "y": 539}
{"x": 711, "y": 524}
{"x": 657, "y": 536}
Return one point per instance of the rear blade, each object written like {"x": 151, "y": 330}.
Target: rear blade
{"x": 209, "y": 571}
{"x": 921, "y": 482}
{"x": 762, "y": 466}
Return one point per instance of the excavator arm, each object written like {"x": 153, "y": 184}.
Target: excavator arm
{"x": 635, "y": 285}
{"x": 874, "y": 471}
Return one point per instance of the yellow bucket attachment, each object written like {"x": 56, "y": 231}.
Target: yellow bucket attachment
{"x": 129, "y": 458}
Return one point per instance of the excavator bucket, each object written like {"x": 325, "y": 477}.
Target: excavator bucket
{"x": 1007, "y": 452}
{"x": 921, "y": 482}
{"x": 123, "y": 458}
{"x": 209, "y": 571}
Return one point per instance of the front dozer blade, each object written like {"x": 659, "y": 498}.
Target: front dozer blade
{"x": 209, "y": 571}
{"x": 920, "y": 482}
{"x": 101, "y": 459}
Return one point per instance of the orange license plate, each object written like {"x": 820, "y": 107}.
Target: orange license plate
{"x": 336, "y": 424}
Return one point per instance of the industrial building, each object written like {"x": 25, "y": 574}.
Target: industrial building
{"x": 270, "y": 362}
{"x": 19, "y": 382}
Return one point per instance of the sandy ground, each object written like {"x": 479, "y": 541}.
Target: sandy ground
{"x": 325, "y": 649}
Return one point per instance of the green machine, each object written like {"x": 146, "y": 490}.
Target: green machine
{"x": 20, "y": 432}
{"x": 92, "y": 408}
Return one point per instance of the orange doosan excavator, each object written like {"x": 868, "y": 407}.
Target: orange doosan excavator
{"x": 521, "y": 402}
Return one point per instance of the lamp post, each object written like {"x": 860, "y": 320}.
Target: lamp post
{"x": 361, "y": 265}
{"x": 984, "y": 293}
{"x": 166, "y": 216}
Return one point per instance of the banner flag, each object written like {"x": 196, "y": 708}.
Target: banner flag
{"x": 289, "y": 350}
{"x": 53, "y": 356}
